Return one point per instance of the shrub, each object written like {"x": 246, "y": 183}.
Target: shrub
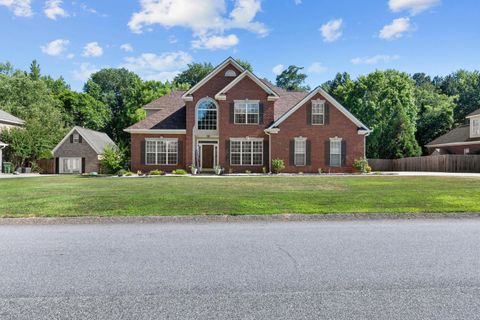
{"x": 361, "y": 165}
{"x": 112, "y": 160}
{"x": 180, "y": 172}
{"x": 128, "y": 174}
{"x": 121, "y": 172}
{"x": 264, "y": 170}
{"x": 156, "y": 172}
{"x": 278, "y": 165}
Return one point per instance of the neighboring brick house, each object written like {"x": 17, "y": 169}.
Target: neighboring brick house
{"x": 7, "y": 122}
{"x": 234, "y": 120}
{"x": 80, "y": 151}
{"x": 464, "y": 139}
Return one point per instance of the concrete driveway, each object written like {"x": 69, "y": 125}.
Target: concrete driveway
{"x": 279, "y": 270}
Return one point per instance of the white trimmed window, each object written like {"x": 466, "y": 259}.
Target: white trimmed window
{"x": 475, "y": 128}
{"x": 207, "y": 115}
{"x": 76, "y": 138}
{"x": 230, "y": 74}
{"x": 318, "y": 112}
{"x": 161, "y": 151}
{"x": 300, "y": 151}
{"x": 246, "y": 152}
{"x": 246, "y": 112}
{"x": 335, "y": 152}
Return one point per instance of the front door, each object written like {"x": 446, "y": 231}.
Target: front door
{"x": 207, "y": 156}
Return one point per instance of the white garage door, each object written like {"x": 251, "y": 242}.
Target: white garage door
{"x": 70, "y": 165}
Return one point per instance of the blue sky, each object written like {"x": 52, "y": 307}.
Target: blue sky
{"x": 158, "y": 38}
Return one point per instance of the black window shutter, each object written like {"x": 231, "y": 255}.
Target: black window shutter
{"x": 308, "y": 153}
{"x": 261, "y": 110}
{"x": 309, "y": 114}
{"x": 326, "y": 111}
{"x": 142, "y": 152}
{"x": 327, "y": 152}
{"x": 180, "y": 152}
{"x": 80, "y": 139}
{"x": 227, "y": 152}
{"x": 232, "y": 112}
{"x": 57, "y": 165}
{"x": 344, "y": 153}
{"x": 292, "y": 153}
{"x": 71, "y": 138}
{"x": 83, "y": 165}
{"x": 266, "y": 155}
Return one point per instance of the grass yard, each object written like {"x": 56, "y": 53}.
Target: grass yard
{"x": 78, "y": 196}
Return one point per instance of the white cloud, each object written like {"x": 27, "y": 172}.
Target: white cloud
{"x": 278, "y": 69}
{"x": 84, "y": 71}
{"x": 316, "y": 67}
{"x": 127, "y": 47}
{"x": 396, "y": 29}
{"x": 215, "y": 42}
{"x": 375, "y": 59}
{"x": 331, "y": 31}
{"x": 158, "y": 67}
{"x": 208, "y": 19}
{"x": 53, "y": 9}
{"x": 20, "y": 8}
{"x": 56, "y": 47}
{"x": 414, "y": 6}
{"x": 92, "y": 49}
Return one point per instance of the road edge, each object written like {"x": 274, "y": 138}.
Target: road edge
{"x": 237, "y": 218}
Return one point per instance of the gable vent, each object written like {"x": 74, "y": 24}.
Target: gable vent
{"x": 230, "y": 73}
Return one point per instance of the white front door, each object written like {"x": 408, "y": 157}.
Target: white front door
{"x": 70, "y": 165}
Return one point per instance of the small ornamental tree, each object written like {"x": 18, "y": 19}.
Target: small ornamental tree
{"x": 278, "y": 165}
{"x": 112, "y": 160}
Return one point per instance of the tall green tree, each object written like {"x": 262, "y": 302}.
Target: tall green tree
{"x": 194, "y": 73}
{"x": 292, "y": 79}
{"x": 435, "y": 110}
{"x": 33, "y": 102}
{"x": 245, "y": 64}
{"x": 466, "y": 86}
{"x": 34, "y": 70}
{"x": 120, "y": 91}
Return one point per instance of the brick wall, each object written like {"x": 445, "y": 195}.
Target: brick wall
{"x": 339, "y": 126}
{"x": 136, "y": 153}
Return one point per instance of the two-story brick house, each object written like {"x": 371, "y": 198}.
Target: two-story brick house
{"x": 235, "y": 120}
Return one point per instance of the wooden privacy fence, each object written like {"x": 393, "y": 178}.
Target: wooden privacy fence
{"x": 47, "y": 166}
{"x": 442, "y": 163}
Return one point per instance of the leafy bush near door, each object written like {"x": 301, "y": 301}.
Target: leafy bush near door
{"x": 112, "y": 160}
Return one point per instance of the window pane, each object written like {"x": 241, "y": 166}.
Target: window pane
{"x": 252, "y": 118}
{"x": 240, "y": 118}
{"x": 162, "y": 158}
{"x": 246, "y": 146}
{"x": 234, "y": 146}
{"x": 235, "y": 158}
{"x": 299, "y": 159}
{"x": 317, "y": 119}
{"x": 335, "y": 160}
{"x": 207, "y": 116}
{"x": 257, "y": 158}
{"x": 150, "y": 158}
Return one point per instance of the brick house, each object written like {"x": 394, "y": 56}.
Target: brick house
{"x": 234, "y": 120}
{"x": 80, "y": 151}
{"x": 464, "y": 139}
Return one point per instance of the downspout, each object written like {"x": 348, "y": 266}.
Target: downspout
{"x": 269, "y": 151}
{"x": 365, "y": 143}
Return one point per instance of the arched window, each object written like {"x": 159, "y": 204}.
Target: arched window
{"x": 230, "y": 73}
{"x": 207, "y": 115}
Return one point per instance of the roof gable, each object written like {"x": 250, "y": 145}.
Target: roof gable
{"x": 330, "y": 99}
{"x": 221, "y": 95}
{"x": 7, "y": 117}
{"x": 187, "y": 95}
{"x": 95, "y": 139}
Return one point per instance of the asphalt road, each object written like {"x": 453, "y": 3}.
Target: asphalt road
{"x": 283, "y": 270}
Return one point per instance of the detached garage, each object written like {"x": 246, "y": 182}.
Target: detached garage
{"x": 80, "y": 151}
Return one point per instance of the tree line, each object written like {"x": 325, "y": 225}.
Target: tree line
{"x": 405, "y": 111}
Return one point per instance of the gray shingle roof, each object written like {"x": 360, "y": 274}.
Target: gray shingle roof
{"x": 7, "y": 117}
{"x": 457, "y": 135}
{"x": 97, "y": 140}
{"x": 474, "y": 113}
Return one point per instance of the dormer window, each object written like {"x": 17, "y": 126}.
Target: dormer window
{"x": 76, "y": 138}
{"x": 318, "y": 112}
{"x": 475, "y": 128}
{"x": 230, "y": 74}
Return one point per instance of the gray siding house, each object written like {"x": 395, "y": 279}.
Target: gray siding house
{"x": 80, "y": 151}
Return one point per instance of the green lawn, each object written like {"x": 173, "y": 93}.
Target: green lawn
{"x": 78, "y": 196}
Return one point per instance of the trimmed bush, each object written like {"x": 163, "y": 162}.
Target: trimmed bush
{"x": 278, "y": 165}
{"x": 156, "y": 173}
{"x": 179, "y": 172}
